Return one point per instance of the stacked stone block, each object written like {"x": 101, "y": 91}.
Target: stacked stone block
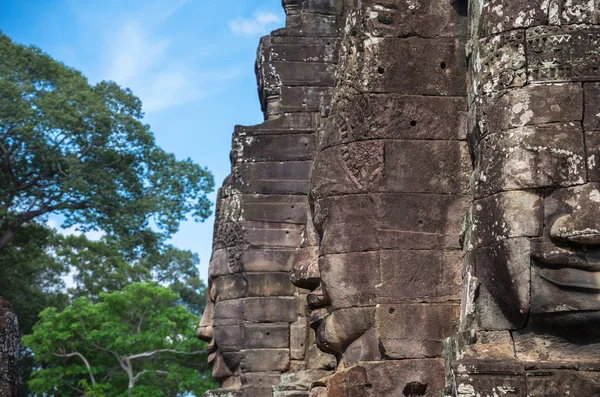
{"x": 9, "y": 350}
{"x": 256, "y": 318}
{"x": 530, "y": 301}
{"x": 388, "y": 189}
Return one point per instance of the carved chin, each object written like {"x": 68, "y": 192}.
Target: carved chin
{"x": 220, "y": 371}
{"x": 342, "y": 327}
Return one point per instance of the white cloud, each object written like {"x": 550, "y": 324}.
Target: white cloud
{"x": 145, "y": 62}
{"x": 261, "y": 23}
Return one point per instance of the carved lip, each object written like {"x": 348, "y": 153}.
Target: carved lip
{"x": 561, "y": 258}
{"x": 573, "y": 278}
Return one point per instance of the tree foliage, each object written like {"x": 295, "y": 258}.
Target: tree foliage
{"x": 138, "y": 342}
{"x": 82, "y": 151}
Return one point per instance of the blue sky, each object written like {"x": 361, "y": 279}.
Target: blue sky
{"x": 190, "y": 61}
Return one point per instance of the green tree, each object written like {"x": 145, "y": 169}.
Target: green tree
{"x": 102, "y": 266}
{"x": 135, "y": 342}
{"x": 82, "y": 151}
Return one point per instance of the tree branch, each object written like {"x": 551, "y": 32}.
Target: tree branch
{"x": 153, "y": 352}
{"x": 85, "y": 361}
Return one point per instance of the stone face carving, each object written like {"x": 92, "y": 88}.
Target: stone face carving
{"x": 9, "y": 350}
{"x": 449, "y": 246}
{"x": 388, "y": 189}
{"x": 255, "y": 319}
{"x": 529, "y": 314}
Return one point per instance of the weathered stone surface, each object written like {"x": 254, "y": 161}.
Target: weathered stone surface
{"x": 435, "y": 65}
{"x": 274, "y": 234}
{"x": 272, "y": 336}
{"x": 269, "y": 284}
{"x": 536, "y": 104}
{"x": 415, "y": 275}
{"x": 592, "y": 155}
{"x": 350, "y": 280}
{"x": 503, "y": 298}
{"x": 426, "y": 167}
{"x": 411, "y": 378}
{"x": 504, "y": 15}
{"x": 498, "y": 63}
{"x": 563, "y": 53}
{"x": 421, "y": 19}
{"x": 287, "y": 177}
{"x": 549, "y": 155}
{"x": 9, "y": 350}
{"x": 504, "y": 215}
{"x": 261, "y": 148}
{"x": 268, "y": 259}
{"x": 415, "y": 330}
{"x": 265, "y": 360}
{"x": 270, "y": 310}
{"x": 591, "y": 119}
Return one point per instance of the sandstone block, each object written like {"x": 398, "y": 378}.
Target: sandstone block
{"x": 269, "y": 284}
{"x": 504, "y": 15}
{"x": 419, "y": 275}
{"x": 270, "y": 310}
{"x": 268, "y": 259}
{"x": 288, "y": 122}
{"x": 437, "y": 67}
{"x": 591, "y": 120}
{"x": 305, "y": 99}
{"x": 263, "y": 148}
{"x": 562, "y": 53}
{"x": 265, "y": 360}
{"x": 503, "y": 270}
{"x": 260, "y": 336}
{"x": 230, "y": 337}
{"x": 415, "y": 330}
{"x": 500, "y": 64}
{"x": 230, "y": 312}
{"x": 550, "y": 155}
{"x": 272, "y": 234}
{"x": 517, "y": 213}
{"x": 393, "y": 116}
{"x": 536, "y": 104}
{"x": 411, "y": 378}
{"x": 261, "y": 379}
{"x": 559, "y": 383}
{"x": 228, "y": 287}
{"x": 274, "y": 208}
{"x": 432, "y": 223}
{"x": 426, "y": 167}
{"x": 350, "y": 279}
{"x": 287, "y": 177}
{"x": 425, "y": 19}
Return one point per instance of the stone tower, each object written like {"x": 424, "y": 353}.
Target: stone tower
{"x": 9, "y": 350}
{"x": 427, "y": 177}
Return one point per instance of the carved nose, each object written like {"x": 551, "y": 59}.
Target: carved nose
{"x": 305, "y": 272}
{"x": 205, "y": 330}
{"x": 582, "y": 225}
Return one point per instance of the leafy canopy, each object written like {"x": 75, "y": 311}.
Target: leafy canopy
{"x": 138, "y": 342}
{"x": 82, "y": 151}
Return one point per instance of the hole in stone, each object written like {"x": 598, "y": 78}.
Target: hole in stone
{"x": 414, "y": 389}
{"x": 368, "y": 386}
{"x": 420, "y": 222}
{"x": 380, "y": 70}
{"x": 287, "y": 232}
{"x": 443, "y": 65}
{"x": 306, "y": 144}
{"x": 293, "y": 207}
{"x": 268, "y": 333}
{"x": 413, "y": 123}
{"x": 391, "y": 310}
